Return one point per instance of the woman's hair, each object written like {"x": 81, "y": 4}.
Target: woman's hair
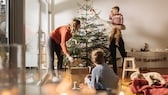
{"x": 97, "y": 56}
{"x": 74, "y": 24}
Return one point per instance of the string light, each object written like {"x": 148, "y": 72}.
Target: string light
{"x": 121, "y": 93}
{"x": 64, "y": 93}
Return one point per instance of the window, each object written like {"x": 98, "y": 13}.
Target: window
{"x": 3, "y": 21}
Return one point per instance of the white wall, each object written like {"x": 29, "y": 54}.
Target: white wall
{"x": 146, "y": 20}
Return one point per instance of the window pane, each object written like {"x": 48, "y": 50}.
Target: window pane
{"x": 3, "y": 21}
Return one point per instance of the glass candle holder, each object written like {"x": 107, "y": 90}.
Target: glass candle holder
{"x": 11, "y": 70}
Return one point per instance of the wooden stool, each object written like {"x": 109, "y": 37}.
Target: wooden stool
{"x": 129, "y": 65}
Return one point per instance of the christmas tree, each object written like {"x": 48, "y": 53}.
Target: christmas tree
{"x": 90, "y": 36}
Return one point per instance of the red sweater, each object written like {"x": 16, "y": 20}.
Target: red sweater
{"x": 116, "y": 19}
{"x": 61, "y": 35}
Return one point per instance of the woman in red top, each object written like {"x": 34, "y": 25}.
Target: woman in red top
{"x": 57, "y": 42}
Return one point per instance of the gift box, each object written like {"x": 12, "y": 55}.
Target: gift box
{"x": 79, "y": 70}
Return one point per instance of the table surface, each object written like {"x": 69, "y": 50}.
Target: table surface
{"x": 154, "y": 59}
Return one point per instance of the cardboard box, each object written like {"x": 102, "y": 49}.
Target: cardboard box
{"x": 79, "y": 70}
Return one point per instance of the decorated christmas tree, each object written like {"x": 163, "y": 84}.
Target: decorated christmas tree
{"x": 90, "y": 36}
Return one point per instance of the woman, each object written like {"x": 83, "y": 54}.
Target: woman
{"x": 57, "y": 43}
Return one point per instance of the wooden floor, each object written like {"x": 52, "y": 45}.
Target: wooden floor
{"x": 79, "y": 77}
